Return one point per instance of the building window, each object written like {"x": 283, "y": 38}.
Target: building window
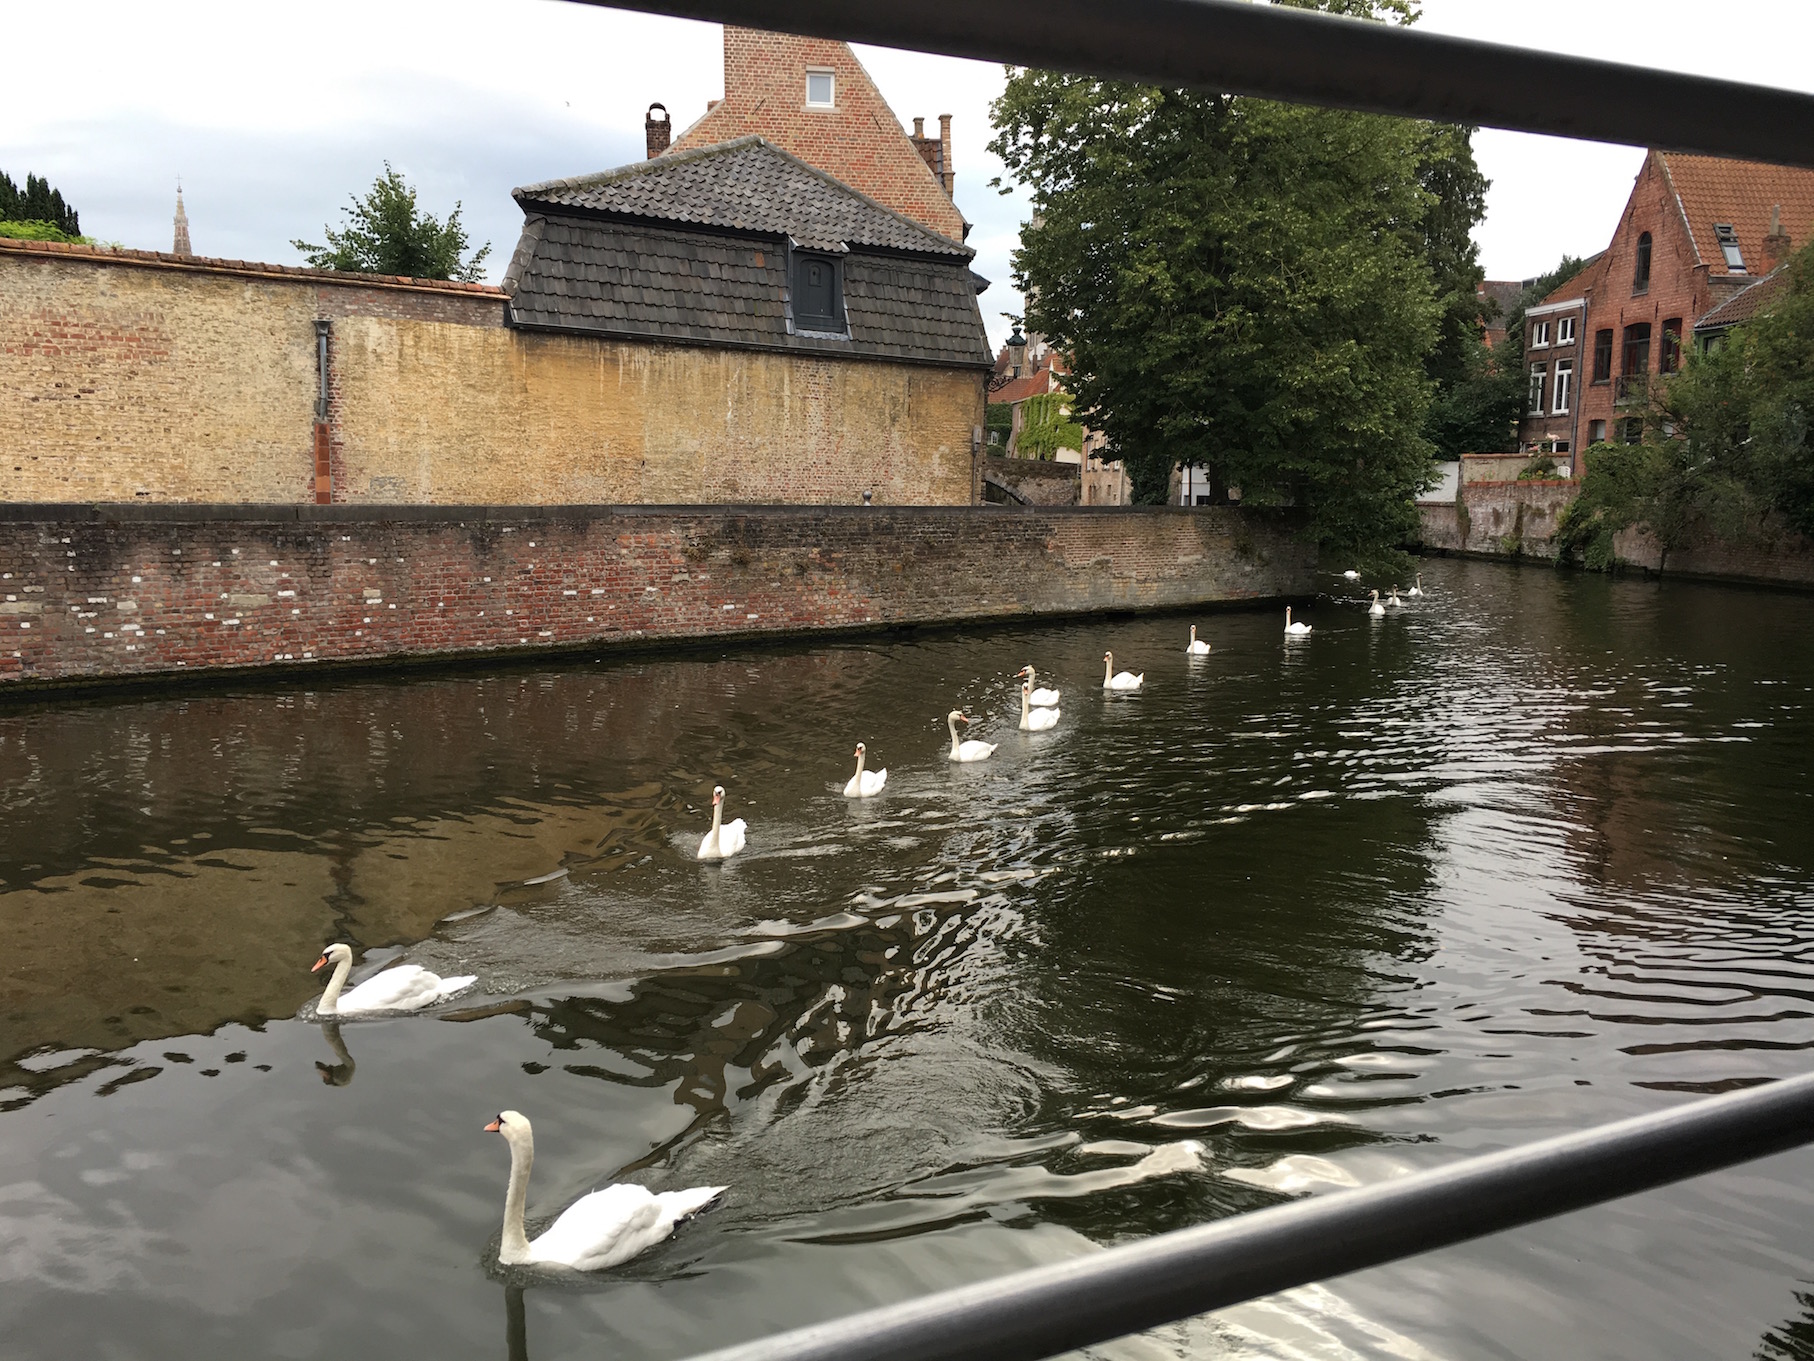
{"x": 818, "y": 294}
{"x": 1670, "y": 357}
{"x": 1596, "y": 432}
{"x": 1636, "y": 358}
{"x": 1539, "y": 335}
{"x": 1565, "y": 382}
{"x": 1728, "y": 239}
{"x": 821, "y": 89}
{"x": 1565, "y": 331}
{"x": 1640, "y": 279}
{"x": 1631, "y": 430}
{"x": 1538, "y": 373}
{"x": 1602, "y": 356}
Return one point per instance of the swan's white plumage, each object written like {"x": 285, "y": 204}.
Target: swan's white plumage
{"x": 1297, "y": 630}
{"x": 1041, "y": 697}
{"x": 1197, "y": 648}
{"x": 865, "y": 784}
{"x": 1376, "y": 609}
{"x": 970, "y": 750}
{"x": 1351, "y": 574}
{"x": 599, "y": 1230}
{"x": 1035, "y": 720}
{"x": 408, "y": 987}
{"x": 1123, "y": 680}
{"x": 1395, "y": 602}
{"x": 1418, "y": 588}
{"x": 726, "y": 838}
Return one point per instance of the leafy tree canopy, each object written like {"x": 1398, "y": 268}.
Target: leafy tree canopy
{"x": 37, "y": 203}
{"x": 1727, "y": 447}
{"x": 1244, "y": 285}
{"x": 385, "y": 233}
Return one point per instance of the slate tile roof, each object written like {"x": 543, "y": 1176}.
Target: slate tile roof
{"x": 694, "y": 249}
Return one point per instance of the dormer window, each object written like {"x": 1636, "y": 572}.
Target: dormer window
{"x": 818, "y": 295}
{"x": 821, "y": 89}
{"x": 1728, "y": 239}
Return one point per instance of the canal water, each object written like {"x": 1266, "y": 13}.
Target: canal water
{"x": 1534, "y": 852}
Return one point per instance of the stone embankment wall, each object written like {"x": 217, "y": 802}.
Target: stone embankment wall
{"x": 109, "y": 593}
{"x": 1776, "y": 557}
{"x": 1499, "y": 519}
{"x": 1035, "y": 482}
{"x": 126, "y": 375}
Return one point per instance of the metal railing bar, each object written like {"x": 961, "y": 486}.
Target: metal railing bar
{"x": 1052, "y": 1309}
{"x": 1311, "y": 58}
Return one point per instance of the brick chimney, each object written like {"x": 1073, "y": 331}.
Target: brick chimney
{"x": 1777, "y": 243}
{"x": 946, "y": 176}
{"x": 656, "y": 130}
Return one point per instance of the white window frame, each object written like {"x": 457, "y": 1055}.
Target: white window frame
{"x": 831, "y": 76}
{"x": 1563, "y": 387}
{"x": 1540, "y": 336}
{"x": 1565, "y": 330}
{"x": 1533, "y": 397}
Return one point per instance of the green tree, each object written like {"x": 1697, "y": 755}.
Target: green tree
{"x": 1240, "y": 285}
{"x": 386, "y": 233}
{"x": 38, "y": 203}
{"x": 1727, "y": 448}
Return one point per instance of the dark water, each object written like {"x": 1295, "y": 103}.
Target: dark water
{"x": 1537, "y": 853}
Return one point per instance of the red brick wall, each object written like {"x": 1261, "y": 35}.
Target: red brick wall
{"x": 860, "y": 142}
{"x": 100, "y": 593}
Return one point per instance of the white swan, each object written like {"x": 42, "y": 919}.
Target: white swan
{"x": 408, "y": 987}
{"x": 1298, "y": 630}
{"x": 865, "y": 784}
{"x": 1042, "y": 698}
{"x": 1395, "y": 602}
{"x": 1351, "y": 574}
{"x": 1377, "y": 610}
{"x": 726, "y": 838}
{"x": 597, "y": 1230}
{"x": 1031, "y": 719}
{"x": 1418, "y": 588}
{"x": 1124, "y": 680}
{"x": 1197, "y": 647}
{"x": 967, "y": 751}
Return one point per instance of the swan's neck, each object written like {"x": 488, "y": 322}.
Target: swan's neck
{"x": 1108, "y": 668}
{"x": 1025, "y": 705}
{"x": 951, "y": 723}
{"x": 515, "y": 1245}
{"x": 330, "y": 997}
{"x": 1288, "y": 616}
{"x": 860, "y": 756}
{"x": 717, "y": 817}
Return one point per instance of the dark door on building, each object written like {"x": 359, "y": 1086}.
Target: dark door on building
{"x": 816, "y": 301}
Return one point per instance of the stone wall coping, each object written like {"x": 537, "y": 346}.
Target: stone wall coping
{"x": 1518, "y": 482}
{"x": 202, "y": 264}
{"x": 1034, "y": 467}
{"x": 139, "y": 512}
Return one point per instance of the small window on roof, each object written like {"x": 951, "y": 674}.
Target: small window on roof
{"x": 821, "y": 89}
{"x": 818, "y": 295}
{"x": 1728, "y": 239}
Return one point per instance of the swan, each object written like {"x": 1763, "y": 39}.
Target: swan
{"x": 1031, "y": 719}
{"x": 726, "y": 838}
{"x": 1395, "y": 602}
{"x": 1042, "y": 699}
{"x": 1125, "y": 680}
{"x": 1298, "y": 630}
{"x": 967, "y": 751}
{"x": 1197, "y": 648}
{"x": 865, "y": 784}
{"x": 1418, "y": 588}
{"x": 1351, "y": 574}
{"x": 597, "y": 1230}
{"x": 1377, "y": 610}
{"x": 408, "y": 987}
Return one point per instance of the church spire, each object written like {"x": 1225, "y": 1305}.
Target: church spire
{"x": 182, "y": 226}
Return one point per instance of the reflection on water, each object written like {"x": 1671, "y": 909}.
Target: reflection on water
{"x": 1527, "y": 855}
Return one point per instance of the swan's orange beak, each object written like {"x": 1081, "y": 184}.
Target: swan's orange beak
{"x": 319, "y": 964}
{"x": 496, "y": 1125}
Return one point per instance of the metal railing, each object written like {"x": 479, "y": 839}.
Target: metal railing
{"x": 1122, "y": 1290}
{"x": 1311, "y": 58}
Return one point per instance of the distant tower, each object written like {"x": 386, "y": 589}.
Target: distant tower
{"x": 182, "y": 227}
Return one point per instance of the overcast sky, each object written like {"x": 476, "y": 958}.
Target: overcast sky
{"x": 272, "y": 114}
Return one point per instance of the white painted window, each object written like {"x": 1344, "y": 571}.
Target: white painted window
{"x": 1565, "y": 331}
{"x": 1539, "y": 335}
{"x": 1539, "y": 372}
{"x": 1565, "y": 382}
{"x": 821, "y": 89}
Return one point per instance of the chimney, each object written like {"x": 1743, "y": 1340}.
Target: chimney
{"x": 1776, "y": 244}
{"x": 181, "y": 244}
{"x": 656, "y": 130}
{"x": 946, "y": 177}
{"x": 919, "y": 128}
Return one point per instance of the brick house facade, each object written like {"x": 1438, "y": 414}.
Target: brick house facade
{"x": 1696, "y": 231}
{"x": 812, "y": 98}
{"x": 1555, "y": 361}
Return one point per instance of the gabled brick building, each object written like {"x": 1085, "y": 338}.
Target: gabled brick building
{"x": 1696, "y": 231}
{"x": 1553, "y": 364}
{"x": 812, "y": 98}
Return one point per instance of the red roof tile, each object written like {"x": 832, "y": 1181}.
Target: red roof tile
{"x": 1742, "y": 195}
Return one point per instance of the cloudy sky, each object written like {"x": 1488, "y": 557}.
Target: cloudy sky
{"x": 271, "y": 114}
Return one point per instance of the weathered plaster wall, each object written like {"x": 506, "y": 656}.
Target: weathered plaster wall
{"x": 100, "y": 593}
{"x": 1499, "y": 518}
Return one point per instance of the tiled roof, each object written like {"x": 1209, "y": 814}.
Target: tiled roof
{"x": 1025, "y": 386}
{"x": 1743, "y": 195}
{"x": 654, "y": 281}
{"x": 1747, "y": 302}
{"x": 1502, "y": 292}
{"x": 746, "y": 185}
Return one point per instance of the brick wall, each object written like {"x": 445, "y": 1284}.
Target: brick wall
{"x": 1777, "y": 556}
{"x": 1035, "y": 481}
{"x": 99, "y": 593}
{"x": 135, "y": 377}
{"x": 860, "y": 141}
